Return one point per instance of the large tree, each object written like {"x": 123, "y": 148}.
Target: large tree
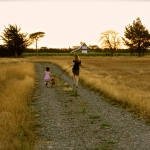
{"x": 14, "y": 41}
{"x": 137, "y": 37}
{"x": 34, "y": 37}
{"x": 110, "y": 40}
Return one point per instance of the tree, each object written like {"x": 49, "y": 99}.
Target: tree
{"x": 3, "y": 51}
{"x": 82, "y": 42}
{"x": 110, "y": 40}
{"x": 34, "y": 37}
{"x": 14, "y": 41}
{"x": 137, "y": 37}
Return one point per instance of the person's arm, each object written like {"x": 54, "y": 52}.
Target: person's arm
{"x": 72, "y": 64}
{"x": 81, "y": 64}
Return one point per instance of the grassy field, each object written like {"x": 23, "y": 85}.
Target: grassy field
{"x": 121, "y": 80}
{"x": 124, "y": 80}
{"x": 17, "y": 79}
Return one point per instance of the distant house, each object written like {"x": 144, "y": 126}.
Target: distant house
{"x": 82, "y": 49}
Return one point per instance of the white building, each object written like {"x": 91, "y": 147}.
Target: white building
{"x": 83, "y": 48}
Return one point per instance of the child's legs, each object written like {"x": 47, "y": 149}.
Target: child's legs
{"x": 46, "y": 82}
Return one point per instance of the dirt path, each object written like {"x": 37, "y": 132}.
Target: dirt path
{"x": 83, "y": 122}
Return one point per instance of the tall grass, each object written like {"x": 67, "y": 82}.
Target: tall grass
{"x": 122, "y": 79}
{"x": 16, "y": 84}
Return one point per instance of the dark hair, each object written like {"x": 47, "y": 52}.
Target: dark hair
{"x": 47, "y": 68}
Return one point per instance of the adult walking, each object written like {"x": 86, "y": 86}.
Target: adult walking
{"x": 76, "y": 70}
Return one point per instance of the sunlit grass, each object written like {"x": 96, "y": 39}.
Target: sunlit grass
{"x": 17, "y": 80}
{"x": 122, "y": 79}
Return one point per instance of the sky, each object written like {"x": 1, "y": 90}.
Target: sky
{"x": 68, "y": 22}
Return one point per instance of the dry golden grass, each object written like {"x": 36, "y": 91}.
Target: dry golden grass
{"x": 123, "y": 79}
{"x": 17, "y": 80}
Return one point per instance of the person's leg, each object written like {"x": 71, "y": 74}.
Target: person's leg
{"x": 47, "y": 83}
{"x": 76, "y": 80}
{"x": 75, "y": 77}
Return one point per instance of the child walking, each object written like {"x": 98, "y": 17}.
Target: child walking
{"x": 47, "y": 76}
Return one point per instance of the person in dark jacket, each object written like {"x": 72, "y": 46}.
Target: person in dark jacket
{"x": 76, "y": 70}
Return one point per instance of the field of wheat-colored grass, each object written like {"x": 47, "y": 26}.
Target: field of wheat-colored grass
{"x": 125, "y": 80}
{"x": 122, "y": 79}
{"x": 17, "y": 80}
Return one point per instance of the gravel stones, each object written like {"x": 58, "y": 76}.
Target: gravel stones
{"x": 83, "y": 120}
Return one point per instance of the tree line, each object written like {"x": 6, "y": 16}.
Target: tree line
{"x": 136, "y": 39}
{"x": 15, "y": 42}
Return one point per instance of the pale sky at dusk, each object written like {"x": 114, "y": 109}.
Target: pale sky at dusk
{"x": 67, "y": 22}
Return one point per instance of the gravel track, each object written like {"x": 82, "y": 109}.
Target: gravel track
{"x": 83, "y": 122}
